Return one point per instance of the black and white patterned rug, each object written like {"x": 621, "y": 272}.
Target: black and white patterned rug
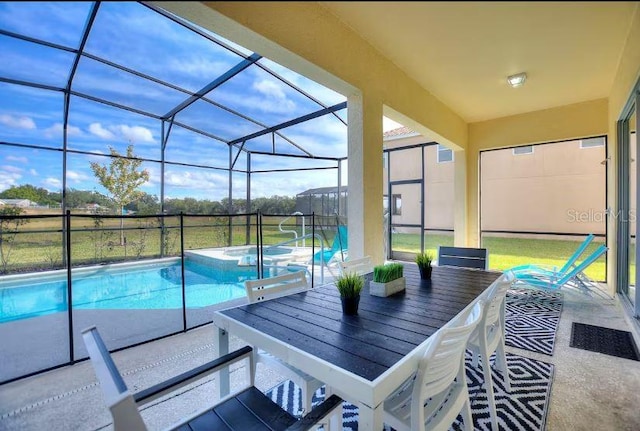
{"x": 531, "y": 319}
{"x": 525, "y": 408}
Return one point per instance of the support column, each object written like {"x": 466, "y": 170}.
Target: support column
{"x": 365, "y": 178}
{"x": 460, "y": 208}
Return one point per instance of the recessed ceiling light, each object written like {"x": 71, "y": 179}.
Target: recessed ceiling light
{"x": 517, "y": 80}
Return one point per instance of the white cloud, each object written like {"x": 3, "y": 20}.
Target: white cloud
{"x": 134, "y": 134}
{"x": 324, "y": 136}
{"x": 10, "y": 168}
{"x": 8, "y": 179}
{"x": 271, "y": 98}
{"x": 19, "y": 159}
{"x": 16, "y": 122}
{"x": 57, "y": 129}
{"x": 76, "y": 177}
{"x": 100, "y": 132}
{"x": 33, "y": 172}
{"x": 54, "y": 183}
{"x": 269, "y": 89}
{"x": 290, "y": 183}
{"x": 315, "y": 89}
{"x": 199, "y": 66}
{"x": 124, "y": 132}
{"x": 198, "y": 180}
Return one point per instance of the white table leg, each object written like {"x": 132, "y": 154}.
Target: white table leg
{"x": 370, "y": 419}
{"x": 221, "y": 341}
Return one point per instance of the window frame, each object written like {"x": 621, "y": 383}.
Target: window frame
{"x": 514, "y": 149}
{"x": 395, "y": 208}
{"x": 442, "y": 149}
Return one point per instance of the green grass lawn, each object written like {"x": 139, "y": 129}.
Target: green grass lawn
{"x": 505, "y": 253}
{"x": 37, "y": 250}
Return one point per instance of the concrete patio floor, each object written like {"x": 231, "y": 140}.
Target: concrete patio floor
{"x": 590, "y": 391}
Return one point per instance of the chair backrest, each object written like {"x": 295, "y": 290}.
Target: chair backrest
{"x": 359, "y": 266}
{"x": 122, "y": 405}
{"x": 443, "y": 357}
{"x": 583, "y": 265}
{"x": 576, "y": 254}
{"x": 494, "y": 301}
{"x": 272, "y": 287}
{"x": 340, "y": 244}
{"x": 340, "y": 241}
{"x": 465, "y": 257}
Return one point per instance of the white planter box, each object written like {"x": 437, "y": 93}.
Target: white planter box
{"x": 386, "y": 289}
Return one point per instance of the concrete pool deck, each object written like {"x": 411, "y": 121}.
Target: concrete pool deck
{"x": 48, "y": 335}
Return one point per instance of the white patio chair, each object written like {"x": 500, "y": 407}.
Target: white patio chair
{"x": 359, "y": 266}
{"x": 282, "y": 285}
{"x": 438, "y": 392}
{"x": 489, "y": 337}
{"x": 247, "y": 409}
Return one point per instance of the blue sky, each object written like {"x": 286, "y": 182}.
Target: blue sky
{"x": 132, "y": 35}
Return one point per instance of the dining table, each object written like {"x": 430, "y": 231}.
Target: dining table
{"x": 363, "y": 357}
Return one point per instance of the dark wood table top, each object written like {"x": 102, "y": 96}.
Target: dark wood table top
{"x": 385, "y": 329}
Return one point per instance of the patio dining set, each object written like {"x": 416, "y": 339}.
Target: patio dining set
{"x": 402, "y": 363}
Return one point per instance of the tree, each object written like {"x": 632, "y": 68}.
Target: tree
{"x": 10, "y": 222}
{"x": 145, "y": 204}
{"x": 81, "y": 198}
{"x": 122, "y": 179}
{"x": 33, "y": 193}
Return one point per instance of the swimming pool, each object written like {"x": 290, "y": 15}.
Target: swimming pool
{"x": 138, "y": 286}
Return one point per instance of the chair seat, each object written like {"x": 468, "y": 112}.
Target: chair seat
{"x": 440, "y": 409}
{"x": 248, "y": 410}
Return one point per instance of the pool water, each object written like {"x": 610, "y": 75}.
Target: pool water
{"x": 148, "y": 286}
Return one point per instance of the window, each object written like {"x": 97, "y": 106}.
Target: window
{"x": 518, "y": 151}
{"x": 592, "y": 142}
{"x": 444, "y": 154}
{"x": 397, "y": 204}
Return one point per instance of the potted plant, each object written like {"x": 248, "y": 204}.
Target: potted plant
{"x": 424, "y": 261}
{"x": 350, "y": 285}
{"x": 387, "y": 279}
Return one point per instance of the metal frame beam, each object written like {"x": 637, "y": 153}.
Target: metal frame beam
{"x": 293, "y": 122}
{"x": 214, "y": 84}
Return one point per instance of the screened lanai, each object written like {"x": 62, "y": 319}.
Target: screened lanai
{"x": 210, "y": 122}
{"x": 208, "y": 118}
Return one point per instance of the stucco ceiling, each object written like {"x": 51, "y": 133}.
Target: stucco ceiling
{"x": 462, "y": 52}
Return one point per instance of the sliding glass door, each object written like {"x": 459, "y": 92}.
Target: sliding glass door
{"x": 628, "y": 228}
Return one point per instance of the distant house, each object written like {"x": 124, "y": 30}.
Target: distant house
{"x": 19, "y": 203}
{"x": 533, "y": 188}
{"x": 323, "y": 201}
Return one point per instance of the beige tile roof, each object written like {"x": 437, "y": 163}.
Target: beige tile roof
{"x": 400, "y": 131}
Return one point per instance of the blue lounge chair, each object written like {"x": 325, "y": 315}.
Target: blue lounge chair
{"x": 557, "y": 281}
{"x": 339, "y": 246}
{"x": 540, "y": 270}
